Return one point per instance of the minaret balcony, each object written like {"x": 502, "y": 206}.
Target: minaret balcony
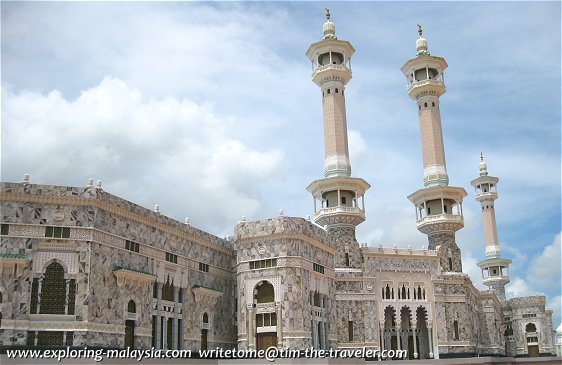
{"x": 440, "y": 222}
{"x": 489, "y": 196}
{"x": 331, "y": 72}
{"x": 429, "y": 86}
{"x": 496, "y": 280}
{"x": 339, "y": 215}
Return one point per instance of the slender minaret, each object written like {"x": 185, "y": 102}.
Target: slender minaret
{"x": 438, "y": 205}
{"x": 495, "y": 269}
{"x": 338, "y": 194}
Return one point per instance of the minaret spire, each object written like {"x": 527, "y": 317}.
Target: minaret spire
{"x": 338, "y": 198}
{"x": 438, "y": 205}
{"x": 495, "y": 269}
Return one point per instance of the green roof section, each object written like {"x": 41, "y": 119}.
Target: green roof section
{"x": 16, "y": 256}
{"x": 118, "y": 268}
{"x": 205, "y": 287}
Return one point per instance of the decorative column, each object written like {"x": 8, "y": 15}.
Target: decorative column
{"x": 279, "y": 326}
{"x": 381, "y": 327}
{"x": 250, "y": 330}
{"x": 414, "y": 329}
{"x": 399, "y": 337}
{"x": 67, "y": 282}
{"x": 183, "y": 322}
{"x": 430, "y": 337}
{"x": 158, "y": 316}
{"x": 314, "y": 334}
{"x": 175, "y": 320}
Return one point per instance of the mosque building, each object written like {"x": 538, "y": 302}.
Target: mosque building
{"x": 82, "y": 267}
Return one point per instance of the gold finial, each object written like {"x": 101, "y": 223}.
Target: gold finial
{"x": 420, "y": 31}
{"x": 327, "y": 13}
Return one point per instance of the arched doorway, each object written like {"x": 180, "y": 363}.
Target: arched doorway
{"x": 130, "y": 325}
{"x": 204, "y": 331}
{"x": 390, "y": 340}
{"x": 532, "y": 338}
{"x": 406, "y": 332}
{"x": 53, "y": 290}
{"x": 422, "y": 333}
{"x": 266, "y": 318}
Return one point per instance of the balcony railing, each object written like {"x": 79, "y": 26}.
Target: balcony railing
{"x": 441, "y": 218}
{"x": 340, "y": 209}
{"x": 425, "y": 82}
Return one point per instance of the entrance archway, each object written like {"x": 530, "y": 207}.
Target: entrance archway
{"x": 422, "y": 333}
{"x": 266, "y": 321}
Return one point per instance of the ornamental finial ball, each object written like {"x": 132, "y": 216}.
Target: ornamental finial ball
{"x": 421, "y": 43}
{"x": 329, "y": 28}
{"x": 483, "y": 166}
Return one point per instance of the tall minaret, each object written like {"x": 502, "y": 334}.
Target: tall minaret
{"x": 495, "y": 270}
{"x": 338, "y": 194}
{"x": 438, "y": 205}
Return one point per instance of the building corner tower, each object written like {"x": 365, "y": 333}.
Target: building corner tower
{"x": 495, "y": 269}
{"x": 438, "y": 205}
{"x": 338, "y": 198}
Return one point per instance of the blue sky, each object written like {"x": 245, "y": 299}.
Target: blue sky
{"x": 208, "y": 110}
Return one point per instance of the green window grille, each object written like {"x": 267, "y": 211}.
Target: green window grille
{"x": 71, "y": 296}
{"x": 57, "y": 232}
{"x": 265, "y": 293}
{"x": 30, "y": 338}
{"x": 50, "y": 338}
{"x": 34, "y": 296}
{"x": 69, "y": 338}
{"x": 5, "y": 229}
{"x": 53, "y": 290}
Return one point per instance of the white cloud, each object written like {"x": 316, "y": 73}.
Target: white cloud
{"x": 518, "y": 287}
{"x": 545, "y": 268}
{"x": 555, "y": 303}
{"x": 142, "y": 148}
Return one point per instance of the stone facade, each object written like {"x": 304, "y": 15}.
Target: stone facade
{"x": 81, "y": 267}
{"x": 384, "y": 294}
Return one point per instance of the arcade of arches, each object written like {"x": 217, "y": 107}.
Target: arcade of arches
{"x": 405, "y": 330}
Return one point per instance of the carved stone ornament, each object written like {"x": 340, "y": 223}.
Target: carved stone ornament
{"x": 132, "y": 279}
{"x": 261, "y": 249}
{"x": 205, "y": 296}
{"x": 58, "y": 215}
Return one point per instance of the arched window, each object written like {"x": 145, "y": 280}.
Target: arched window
{"x": 337, "y": 90}
{"x": 328, "y": 91}
{"x": 428, "y": 210}
{"x": 265, "y": 293}
{"x": 168, "y": 290}
{"x": 425, "y": 105}
{"x": 530, "y": 327}
{"x": 131, "y": 307}
{"x": 205, "y": 318}
{"x": 445, "y": 208}
{"x": 316, "y": 299}
{"x": 53, "y": 290}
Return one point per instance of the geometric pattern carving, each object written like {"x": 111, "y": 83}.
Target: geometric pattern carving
{"x": 251, "y": 284}
{"x": 69, "y": 259}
